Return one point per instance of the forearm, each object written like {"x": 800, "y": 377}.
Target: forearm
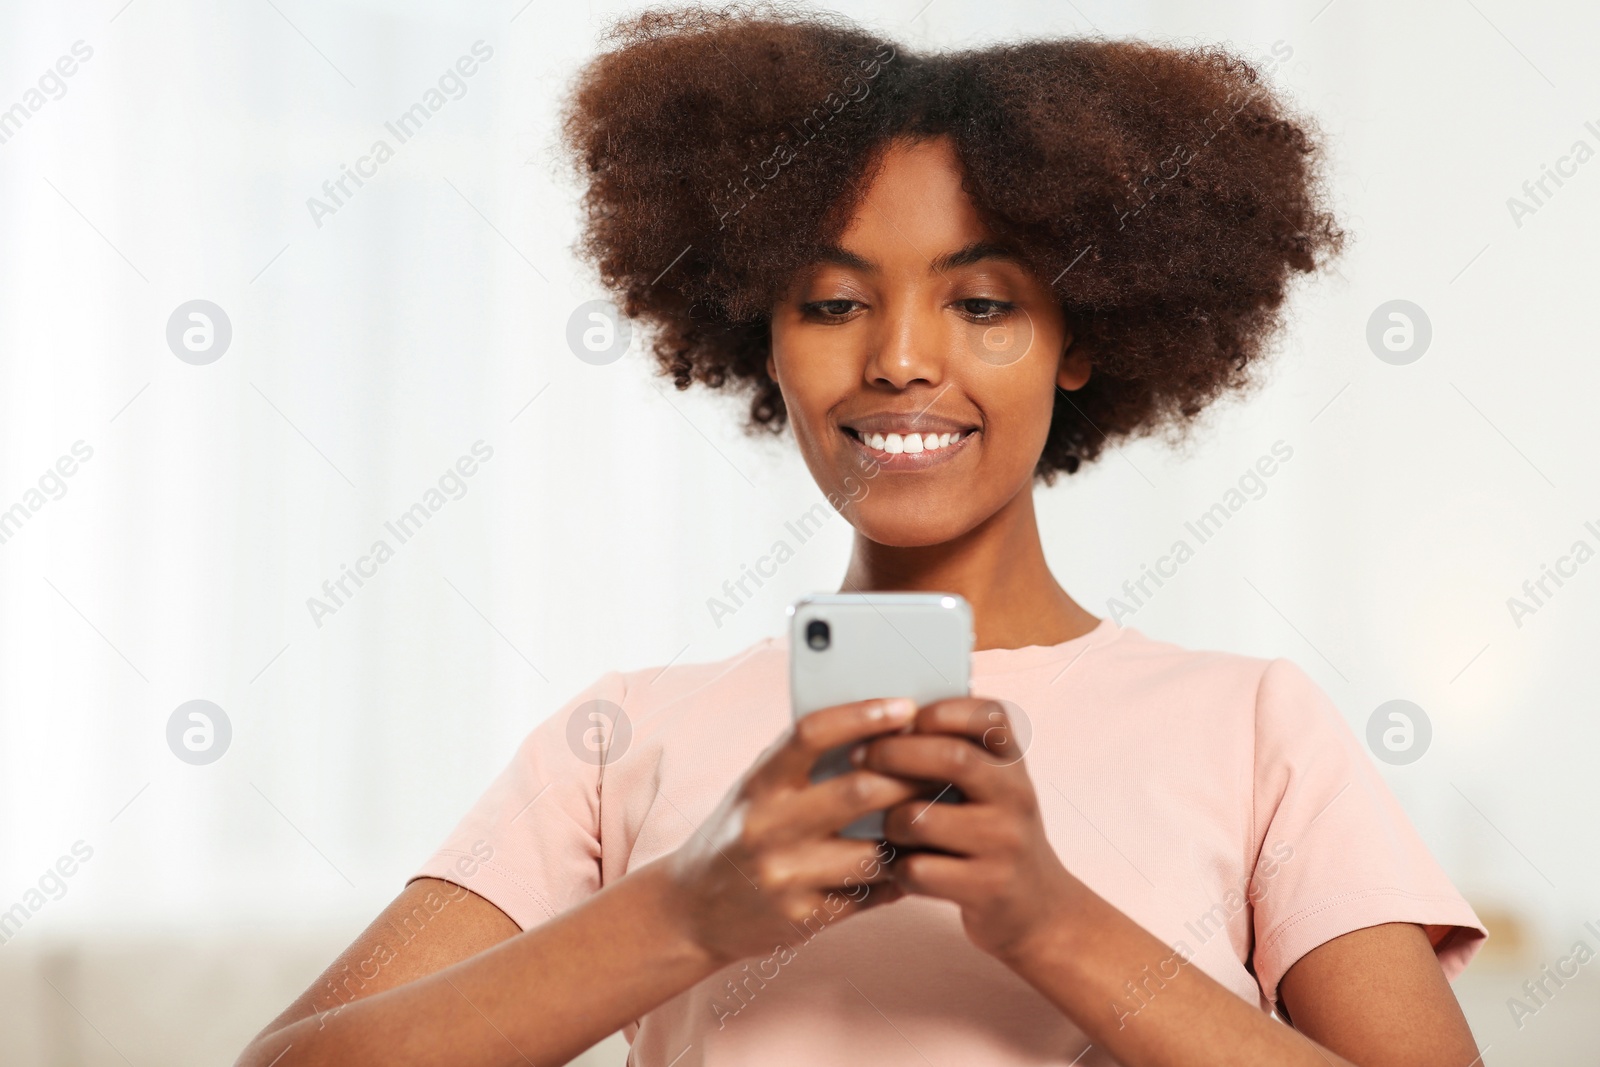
{"x": 1135, "y": 997}
{"x": 542, "y": 996}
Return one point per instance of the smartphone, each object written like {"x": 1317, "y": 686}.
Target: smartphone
{"x": 845, "y": 647}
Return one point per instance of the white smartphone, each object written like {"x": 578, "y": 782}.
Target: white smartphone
{"x": 845, "y": 647}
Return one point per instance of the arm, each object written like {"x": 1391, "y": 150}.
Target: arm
{"x": 1372, "y": 998}
{"x": 459, "y": 992}
{"x": 1379, "y": 996}
{"x": 471, "y": 989}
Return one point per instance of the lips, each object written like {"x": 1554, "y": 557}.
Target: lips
{"x": 916, "y": 442}
{"x": 904, "y": 424}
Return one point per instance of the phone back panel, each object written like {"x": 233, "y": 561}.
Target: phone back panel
{"x": 916, "y": 645}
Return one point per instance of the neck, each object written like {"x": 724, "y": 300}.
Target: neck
{"x": 999, "y": 567}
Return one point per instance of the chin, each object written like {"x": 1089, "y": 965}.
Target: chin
{"x": 907, "y": 525}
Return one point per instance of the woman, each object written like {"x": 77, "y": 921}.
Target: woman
{"x": 952, "y": 276}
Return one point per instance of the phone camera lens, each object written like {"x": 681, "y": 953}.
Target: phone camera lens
{"x": 817, "y": 634}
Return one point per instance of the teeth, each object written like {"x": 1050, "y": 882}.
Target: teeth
{"x": 895, "y": 443}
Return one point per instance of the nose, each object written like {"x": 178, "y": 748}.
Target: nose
{"x": 908, "y": 347}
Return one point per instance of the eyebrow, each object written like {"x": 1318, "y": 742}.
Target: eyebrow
{"x": 975, "y": 252}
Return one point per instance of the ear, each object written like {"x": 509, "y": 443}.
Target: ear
{"x": 1073, "y": 373}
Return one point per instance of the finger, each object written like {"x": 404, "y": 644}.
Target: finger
{"x": 823, "y": 809}
{"x": 883, "y": 892}
{"x": 934, "y": 758}
{"x": 1001, "y": 729}
{"x": 962, "y": 829}
{"x": 952, "y": 878}
{"x": 810, "y": 915}
{"x": 835, "y": 863}
{"x": 828, "y": 728}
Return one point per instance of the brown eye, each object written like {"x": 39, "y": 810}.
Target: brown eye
{"x": 981, "y": 309}
{"x": 825, "y": 310}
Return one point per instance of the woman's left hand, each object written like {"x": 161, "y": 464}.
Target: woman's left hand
{"x": 993, "y": 858}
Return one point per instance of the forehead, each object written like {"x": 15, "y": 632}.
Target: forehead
{"x": 913, "y": 206}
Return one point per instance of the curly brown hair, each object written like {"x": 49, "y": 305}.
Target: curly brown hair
{"x": 1166, "y": 192}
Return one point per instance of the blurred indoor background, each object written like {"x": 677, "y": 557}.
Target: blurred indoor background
{"x": 183, "y": 498}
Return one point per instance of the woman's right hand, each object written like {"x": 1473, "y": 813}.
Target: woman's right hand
{"x": 767, "y": 860}
{"x": 764, "y": 869}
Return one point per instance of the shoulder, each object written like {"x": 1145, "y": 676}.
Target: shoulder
{"x": 754, "y": 668}
{"x": 611, "y": 708}
{"x": 1149, "y": 661}
{"x": 1267, "y": 693}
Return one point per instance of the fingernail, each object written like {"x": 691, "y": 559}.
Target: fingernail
{"x": 858, "y": 755}
{"x": 900, "y": 708}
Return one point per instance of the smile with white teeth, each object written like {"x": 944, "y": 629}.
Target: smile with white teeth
{"x": 895, "y": 443}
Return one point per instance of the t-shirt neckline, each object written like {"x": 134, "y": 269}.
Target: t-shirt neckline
{"x": 1005, "y": 660}
{"x": 1027, "y": 657}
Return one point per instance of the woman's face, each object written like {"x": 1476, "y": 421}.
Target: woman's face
{"x": 918, "y": 361}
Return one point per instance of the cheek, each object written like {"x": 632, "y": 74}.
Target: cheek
{"x": 812, "y": 384}
{"x": 1019, "y": 404}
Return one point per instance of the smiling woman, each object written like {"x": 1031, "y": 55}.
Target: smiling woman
{"x": 905, "y": 305}
{"x": 977, "y": 274}
{"x": 1173, "y": 278}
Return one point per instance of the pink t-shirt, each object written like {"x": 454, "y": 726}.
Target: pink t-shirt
{"x": 1218, "y": 800}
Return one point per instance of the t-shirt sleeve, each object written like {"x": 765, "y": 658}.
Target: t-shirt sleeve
{"x": 1337, "y": 852}
{"x": 530, "y": 845}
